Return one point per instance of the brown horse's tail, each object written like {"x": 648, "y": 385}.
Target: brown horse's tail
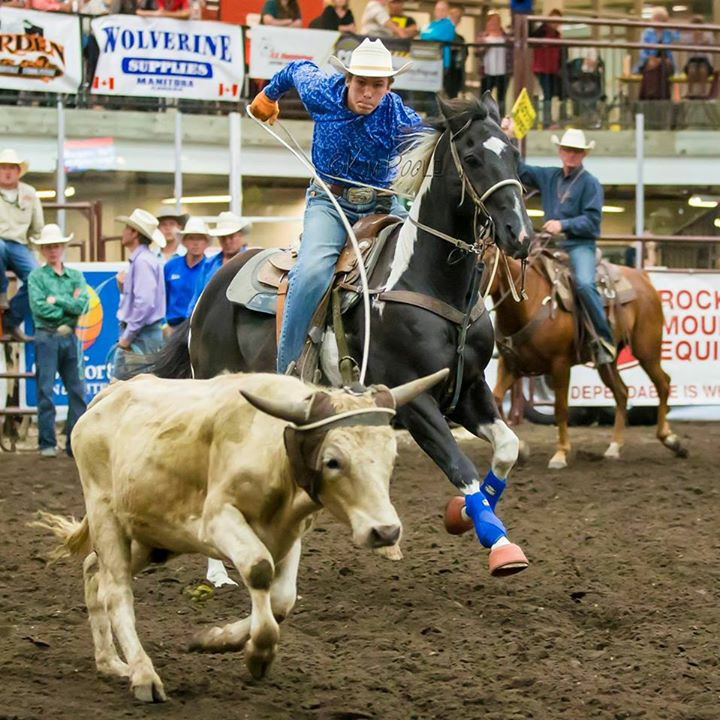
{"x": 74, "y": 535}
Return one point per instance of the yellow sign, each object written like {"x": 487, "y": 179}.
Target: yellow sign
{"x": 523, "y": 114}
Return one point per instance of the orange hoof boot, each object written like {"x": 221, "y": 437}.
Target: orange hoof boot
{"x": 507, "y": 560}
{"x": 456, "y": 520}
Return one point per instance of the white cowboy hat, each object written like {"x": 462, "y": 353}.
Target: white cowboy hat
{"x": 229, "y": 223}
{"x": 145, "y": 223}
{"x": 195, "y": 226}
{"x": 168, "y": 211}
{"x": 573, "y": 138}
{"x": 52, "y": 235}
{"x": 369, "y": 59}
{"x": 10, "y": 157}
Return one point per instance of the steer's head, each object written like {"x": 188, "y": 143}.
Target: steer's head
{"x": 342, "y": 450}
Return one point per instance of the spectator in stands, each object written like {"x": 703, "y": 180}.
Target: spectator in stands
{"x": 282, "y": 13}
{"x": 441, "y": 29}
{"x": 58, "y": 296}
{"x": 547, "y": 63}
{"x": 21, "y": 219}
{"x": 455, "y": 75}
{"x": 179, "y": 9}
{"x": 404, "y": 22}
{"x": 336, "y": 16}
{"x": 376, "y": 21}
{"x": 231, "y": 230}
{"x": 699, "y": 67}
{"x": 656, "y": 66}
{"x": 183, "y": 274}
{"x": 170, "y": 223}
{"x": 49, "y": 5}
{"x": 494, "y": 59}
{"x": 142, "y": 300}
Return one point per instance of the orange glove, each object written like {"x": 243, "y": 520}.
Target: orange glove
{"x": 263, "y": 108}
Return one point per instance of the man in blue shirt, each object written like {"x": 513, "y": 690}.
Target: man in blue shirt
{"x": 441, "y": 29}
{"x": 572, "y": 199}
{"x": 183, "y": 273}
{"x": 359, "y": 123}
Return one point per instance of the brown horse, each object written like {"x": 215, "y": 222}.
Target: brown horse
{"x": 546, "y": 346}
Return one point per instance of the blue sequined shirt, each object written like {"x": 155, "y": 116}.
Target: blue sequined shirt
{"x": 345, "y": 144}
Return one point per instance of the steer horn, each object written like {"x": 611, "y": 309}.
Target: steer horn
{"x": 403, "y": 394}
{"x": 295, "y": 412}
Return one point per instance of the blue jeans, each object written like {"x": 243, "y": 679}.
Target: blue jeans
{"x": 16, "y": 257}
{"x": 148, "y": 340}
{"x": 582, "y": 264}
{"x": 57, "y": 354}
{"x": 323, "y": 239}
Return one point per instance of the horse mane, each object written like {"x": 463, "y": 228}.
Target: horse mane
{"x": 416, "y": 152}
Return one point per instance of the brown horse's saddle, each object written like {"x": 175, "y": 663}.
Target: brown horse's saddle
{"x": 263, "y": 279}
{"x": 615, "y": 289}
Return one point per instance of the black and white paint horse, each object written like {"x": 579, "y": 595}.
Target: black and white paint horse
{"x": 466, "y": 171}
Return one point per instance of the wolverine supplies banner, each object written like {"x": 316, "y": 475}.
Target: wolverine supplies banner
{"x": 153, "y": 57}
{"x": 40, "y": 51}
{"x": 271, "y": 48}
{"x": 690, "y": 351}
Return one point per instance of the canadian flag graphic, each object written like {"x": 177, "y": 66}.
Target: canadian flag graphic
{"x": 103, "y": 83}
{"x": 231, "y": 90}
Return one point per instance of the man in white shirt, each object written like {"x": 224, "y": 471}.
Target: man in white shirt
{"x": 376, "y": 21}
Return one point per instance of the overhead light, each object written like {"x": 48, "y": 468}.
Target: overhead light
{"x": 716, "y": 222}
{"x": 702, "y": 201}
{"x": 679, "y": 8}
{"x": 535, "y": 213}
{"x": 613, "y": 209}
{"x": 51, "y": 194}
{"x": 198, "y": 200}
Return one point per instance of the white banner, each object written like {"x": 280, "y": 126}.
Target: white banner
{"x": 161, "y": 57}
{"x": 271, "y": 48}
{"x": 690, "y": 348}
{"x": 40, "y": 51}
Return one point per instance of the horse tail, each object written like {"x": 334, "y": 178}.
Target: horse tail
{"x": 173, "y": 361}
{"x": 74, "y": 535}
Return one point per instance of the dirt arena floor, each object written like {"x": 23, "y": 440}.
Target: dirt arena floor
{"x": 617, "y": 617}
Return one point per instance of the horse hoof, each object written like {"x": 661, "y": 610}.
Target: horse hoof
{"x": 672, "y": 442}
{"x": 507, "y": 560}
{"x": 613, "y": 452}
{"x": 456, "y": 520}
{"x": 557, "y": 462}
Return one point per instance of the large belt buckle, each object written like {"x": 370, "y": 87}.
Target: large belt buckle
{"x": 359, "y": 195}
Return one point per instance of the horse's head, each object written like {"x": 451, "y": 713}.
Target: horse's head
{"x": 487, "y": 158}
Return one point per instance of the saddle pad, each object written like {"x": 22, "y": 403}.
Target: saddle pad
{"x": 246, "y": 289}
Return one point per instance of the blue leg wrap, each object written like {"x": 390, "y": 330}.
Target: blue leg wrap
{"x": 488, "y": 526}
{"x": 492, "y": 488}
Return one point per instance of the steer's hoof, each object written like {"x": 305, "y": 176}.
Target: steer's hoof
{"x": 507, "y": 560}
{"x": 456, "y": 520}
{"x": 149, "y": 689}
{"x": 258, "y": 661}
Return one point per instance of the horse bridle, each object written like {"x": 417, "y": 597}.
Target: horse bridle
{"x": 487, "y": 226}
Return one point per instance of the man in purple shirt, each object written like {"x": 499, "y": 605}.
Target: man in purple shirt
{"x": 142, "y": 299}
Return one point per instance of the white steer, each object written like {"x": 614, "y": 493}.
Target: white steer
{"x": 232, "y": 468}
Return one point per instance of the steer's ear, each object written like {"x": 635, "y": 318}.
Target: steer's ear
{"x": 292, "y": 411}
{"x": 403, "y": 394}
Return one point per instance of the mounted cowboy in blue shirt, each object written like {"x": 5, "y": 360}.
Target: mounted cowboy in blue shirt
{"x": 572, "y": 200}
{"x": 359, "y": 123}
